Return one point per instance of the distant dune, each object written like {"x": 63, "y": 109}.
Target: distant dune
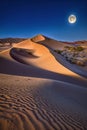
{"x": 39, "y": 89}
{"x": 11, "y": 40}
{"x": 6, "y": 43}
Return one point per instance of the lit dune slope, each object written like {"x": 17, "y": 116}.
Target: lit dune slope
{"x": 37, "y": 92}
{"x": 44, "y": 61}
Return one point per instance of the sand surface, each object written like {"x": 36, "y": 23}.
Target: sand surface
{"x": 39, "y": 93}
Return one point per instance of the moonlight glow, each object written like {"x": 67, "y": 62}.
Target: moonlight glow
{"x": 72, "y": 19}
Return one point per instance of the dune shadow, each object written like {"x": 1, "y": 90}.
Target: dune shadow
{"x": 76, "y": 69}
{"x": 23, "y": 52}
{"x": 19, "y": 69}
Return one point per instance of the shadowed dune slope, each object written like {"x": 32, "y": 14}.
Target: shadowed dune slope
{"x": 51, "y": 43}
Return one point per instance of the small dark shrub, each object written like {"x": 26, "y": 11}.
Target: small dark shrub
{"x": 58, "y": 51}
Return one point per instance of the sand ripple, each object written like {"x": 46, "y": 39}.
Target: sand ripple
{"x": 38, "y": 104}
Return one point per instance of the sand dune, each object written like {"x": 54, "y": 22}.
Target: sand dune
{"x": 41, "y": 104}
{"x": 44, "y": 55}
{"x": 56, "y": 45}
{"x": 46, "y": 62}
{"x": 37, "y": 92}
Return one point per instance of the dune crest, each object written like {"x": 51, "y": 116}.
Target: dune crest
{"x": 28, "y": 44}
{"x": 38, "y": 38}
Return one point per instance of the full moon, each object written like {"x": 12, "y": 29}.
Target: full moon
{"x": 72, "y": 19}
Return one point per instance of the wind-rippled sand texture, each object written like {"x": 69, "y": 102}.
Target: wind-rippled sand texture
{"x": 40, "y": 104}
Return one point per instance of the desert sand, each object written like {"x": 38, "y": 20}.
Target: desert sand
{"x": 37, "y": 92}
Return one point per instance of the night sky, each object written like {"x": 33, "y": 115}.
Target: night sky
{"x": 27, "y": 18}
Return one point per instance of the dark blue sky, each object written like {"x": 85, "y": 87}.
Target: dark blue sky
{"x": 26, "y": 18}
